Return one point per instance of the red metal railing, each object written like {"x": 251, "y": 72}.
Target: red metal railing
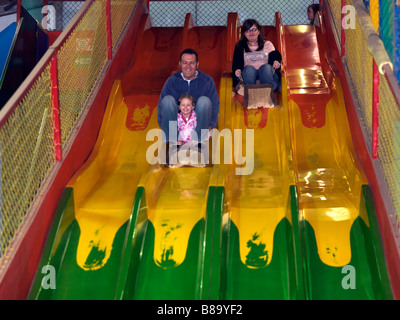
{"x": 55, "y": 106}
{"x": 342, "y": 34}
{"x": 51, "y": 57}
{"x": 387, "y": 71}
{"x": 375, "y": 114}
{"x": 109, "y": 36}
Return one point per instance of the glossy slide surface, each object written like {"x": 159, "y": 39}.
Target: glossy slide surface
{"x": 127, "y": 228}
{"x": 260, "y": 261}
{"x": 169, "y": 264}
{"x": 260, "y": 243}
{"x": 342, "y": 252}
{"x": 285, "y": 228}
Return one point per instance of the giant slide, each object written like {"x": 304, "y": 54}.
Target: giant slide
{"x": 283, "y": 211}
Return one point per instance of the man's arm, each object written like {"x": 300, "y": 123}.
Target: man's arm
{"x": 165, "y": 91}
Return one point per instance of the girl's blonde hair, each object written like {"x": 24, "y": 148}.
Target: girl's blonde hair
{"x": 187, "y": 96}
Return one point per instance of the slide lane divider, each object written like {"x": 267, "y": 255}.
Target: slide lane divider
{"x": 132, "y": 244}
{"x": 211, "y": 277}
{"x": 302, "y": 290}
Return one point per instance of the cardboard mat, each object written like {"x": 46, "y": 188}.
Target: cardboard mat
{"x": 259, "y": 95}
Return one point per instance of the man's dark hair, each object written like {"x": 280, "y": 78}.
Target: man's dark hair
{"x": 189, "y": 51}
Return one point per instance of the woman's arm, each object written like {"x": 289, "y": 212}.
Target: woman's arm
{"x": 274, "y": 59}
{"x": 238, "y": 59}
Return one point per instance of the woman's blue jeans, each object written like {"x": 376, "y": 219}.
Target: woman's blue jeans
{"x": 169, "y": 109}
{"x": 265, "y": 74}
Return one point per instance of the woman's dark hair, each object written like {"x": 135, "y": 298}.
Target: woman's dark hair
{"x": 247, "y": 24}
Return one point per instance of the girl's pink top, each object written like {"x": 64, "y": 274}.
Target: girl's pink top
{"x": 186, "y": 127}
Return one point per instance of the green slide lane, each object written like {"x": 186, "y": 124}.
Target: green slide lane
{"x": 365, "y": 277}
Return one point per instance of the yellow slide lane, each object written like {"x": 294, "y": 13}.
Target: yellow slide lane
{"x": 177, "y": 200}
{"x": 327, "y": 172}
{"x": 104, "y": 188}
{"x": 259, "y": 201}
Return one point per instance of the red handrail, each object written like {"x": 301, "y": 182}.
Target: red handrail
{"x": 55, "y": 106}
{"x": 375, "y": 115}
{"x": 109, "y": 34}
{"x": 343, "y": 33}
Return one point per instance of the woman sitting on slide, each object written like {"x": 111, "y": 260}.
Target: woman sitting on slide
{"x": 256, "y": 58}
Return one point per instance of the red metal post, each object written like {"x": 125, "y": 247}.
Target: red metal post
{"x": 18, "y": 10}
{"x": 375, "y": 115}
{"x": 109, "y": 35}
{"x": 343, "y": 33}
{"x": 55, "y": 106}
